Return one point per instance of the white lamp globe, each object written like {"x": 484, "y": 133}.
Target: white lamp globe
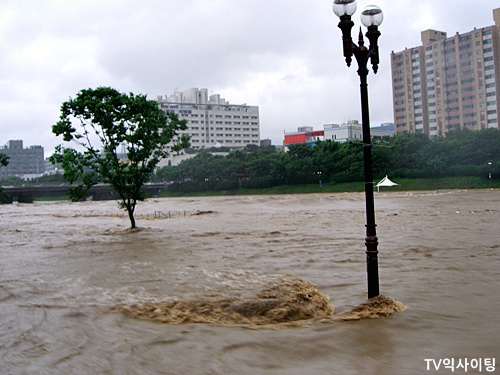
{"x": 372, "y": 16}
{"x": 344, "y": 7}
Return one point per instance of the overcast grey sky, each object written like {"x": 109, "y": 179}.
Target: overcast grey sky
{"x": 283, "y": 55}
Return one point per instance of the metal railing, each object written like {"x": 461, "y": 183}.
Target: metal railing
{"x": 155, "y": 215}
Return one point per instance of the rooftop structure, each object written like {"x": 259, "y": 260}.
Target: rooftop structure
{"x": 304, "y": 134}
{"x": 351, "y": 131}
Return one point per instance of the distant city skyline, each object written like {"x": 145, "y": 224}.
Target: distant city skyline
{"x": 284, "y": 56}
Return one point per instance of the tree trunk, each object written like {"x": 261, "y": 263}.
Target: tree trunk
{"x": 132, "y": 218}
{"x": 130, "y": 209}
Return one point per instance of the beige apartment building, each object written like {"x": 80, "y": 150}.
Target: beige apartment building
{"x": 448, "y": 83}
{"x": 212, "y": 121}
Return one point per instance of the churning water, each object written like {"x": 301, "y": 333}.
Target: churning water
{"x": 249, "y": 285}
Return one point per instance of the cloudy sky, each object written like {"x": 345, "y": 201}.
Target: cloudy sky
{"x": 283, "y": 55}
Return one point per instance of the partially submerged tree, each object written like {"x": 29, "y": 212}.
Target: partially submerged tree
{"x": 110, "y": 121}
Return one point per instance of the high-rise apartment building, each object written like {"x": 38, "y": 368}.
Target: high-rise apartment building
{"x": 448, "y": 83}
{"x": 212, "y": 121}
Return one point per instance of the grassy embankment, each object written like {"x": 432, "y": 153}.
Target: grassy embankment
{"x": 47, "y": 198}
{"x": 345, "y": 187}
{"x": 404, "y": 185}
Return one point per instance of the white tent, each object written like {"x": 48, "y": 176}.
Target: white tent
{"x": 385, "y": 182}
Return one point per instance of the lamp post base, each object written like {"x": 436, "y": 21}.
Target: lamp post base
{"x": 372, "y": 266}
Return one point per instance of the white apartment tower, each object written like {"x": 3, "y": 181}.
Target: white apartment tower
{"x": 448, "y": 83}
{"x": 212, "y": 121}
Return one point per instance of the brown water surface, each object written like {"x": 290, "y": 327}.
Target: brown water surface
{"x": 248, "y": 285}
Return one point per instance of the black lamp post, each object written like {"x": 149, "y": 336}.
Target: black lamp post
{"x": 371, "y": 17}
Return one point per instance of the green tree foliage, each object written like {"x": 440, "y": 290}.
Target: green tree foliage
{"x": 4, "y": 160}
{"x": 409, "y": 155}
{"x": 460, "y": 153}
{"x": 109, "y": 121}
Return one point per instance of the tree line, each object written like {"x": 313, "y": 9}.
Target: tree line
{"x": 460, "y": 153}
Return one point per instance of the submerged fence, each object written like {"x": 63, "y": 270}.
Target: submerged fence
{"x": 170, "y": 214}
{"x": 154, "y": 215}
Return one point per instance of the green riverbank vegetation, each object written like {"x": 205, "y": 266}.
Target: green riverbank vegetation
{"x": 463, "y": 159}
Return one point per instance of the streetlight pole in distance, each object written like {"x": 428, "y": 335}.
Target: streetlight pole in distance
{"x": 489, "y": 171}
{"x": 371, "y": 17}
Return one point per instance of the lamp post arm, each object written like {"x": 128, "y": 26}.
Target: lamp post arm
{"x": 346, "y": 25}
{"x": 373, "y": 34}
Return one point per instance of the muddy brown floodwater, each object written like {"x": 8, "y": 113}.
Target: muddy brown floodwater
{"x": 250, "y": 285}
